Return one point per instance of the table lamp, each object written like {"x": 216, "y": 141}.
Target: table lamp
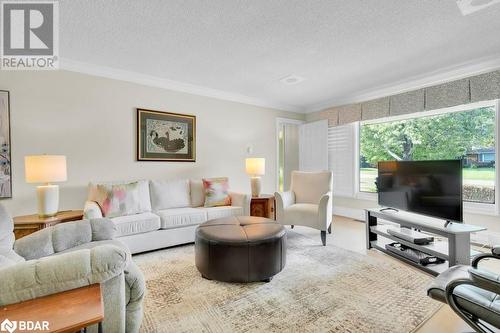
{"x": 255, "y": 167}
{"x": 46, "y": 169}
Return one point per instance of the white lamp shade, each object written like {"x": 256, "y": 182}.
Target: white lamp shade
{"x": 256, "y": 166}
{"x": 45, "y": 168}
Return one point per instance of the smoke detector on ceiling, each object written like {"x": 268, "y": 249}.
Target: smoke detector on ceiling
{"x": 293, "y": 79}
{"x": 471, "y": 6}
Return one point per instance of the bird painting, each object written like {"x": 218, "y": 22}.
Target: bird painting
{"x": 165, "y": 142}
{"x": 164, "y": 136}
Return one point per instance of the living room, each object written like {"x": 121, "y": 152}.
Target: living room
{"x": 235, "y": 166}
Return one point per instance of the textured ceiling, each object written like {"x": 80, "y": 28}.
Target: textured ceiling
{"x": 341, "y": 47}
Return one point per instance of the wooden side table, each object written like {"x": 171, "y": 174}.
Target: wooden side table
{"x": 28, "y": 224}
{"x": 263, "y": 206}
{"x": 65, "y": 312}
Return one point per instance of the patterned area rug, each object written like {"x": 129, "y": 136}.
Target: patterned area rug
{"x": 321, "y": 289}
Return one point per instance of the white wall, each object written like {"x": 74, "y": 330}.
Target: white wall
{"x": 92, "y": 121}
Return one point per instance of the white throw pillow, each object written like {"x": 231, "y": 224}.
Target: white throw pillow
{"x": 197, "y": 193}
{"x": 167, "y": 194}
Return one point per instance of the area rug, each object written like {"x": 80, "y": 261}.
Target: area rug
{"x": 321, "y": 289}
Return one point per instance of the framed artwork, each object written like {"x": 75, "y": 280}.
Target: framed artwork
{"x": 5, "y": 167}
{"x": 165, "y": 136}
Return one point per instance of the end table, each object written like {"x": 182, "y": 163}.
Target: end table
{"x": 65, "y": 312}
{"x": 263, "y": 206}
{"x": 28, "y": 224}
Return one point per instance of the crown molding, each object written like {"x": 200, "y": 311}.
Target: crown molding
{"x": 447, "y": 74}
{"x": 153, "y": 81}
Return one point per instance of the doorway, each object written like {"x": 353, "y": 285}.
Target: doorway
{"x": 287, "y": 144}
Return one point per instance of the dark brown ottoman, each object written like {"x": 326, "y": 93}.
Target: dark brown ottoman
{"x": 240, "y": 249}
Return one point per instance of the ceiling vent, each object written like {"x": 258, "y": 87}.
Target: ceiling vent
{"x": 471, "y": 6}
{"x": 293, "y": 79}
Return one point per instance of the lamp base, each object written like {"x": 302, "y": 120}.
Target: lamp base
{"x": 48, "y": 200}
{"x": 256, "y": 185}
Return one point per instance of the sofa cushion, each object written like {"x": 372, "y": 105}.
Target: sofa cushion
{"x": 179, "y": 217}
{"x": 102, "y": 229}
{"x": 71, "y": 234}
{"x": 197, "y": 193}
{"x": 222, "y": 211}
{"x": 36, "y": 245}
{"x": 301, "y": 214}
{"x": 143, "y": 188}
{"x": 167, "y": 194}
{"x": 91, "y": 245}
{"x": 136, "y": 224}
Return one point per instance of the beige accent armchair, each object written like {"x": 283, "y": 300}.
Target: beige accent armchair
{"x": 308, "y": 203}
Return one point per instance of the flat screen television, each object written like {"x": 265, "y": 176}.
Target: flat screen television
{"x": 432, "y": 188}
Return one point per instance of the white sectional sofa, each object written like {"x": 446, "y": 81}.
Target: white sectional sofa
{"x": 170, "y": 213}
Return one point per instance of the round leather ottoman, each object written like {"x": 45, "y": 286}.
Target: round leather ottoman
{"x": 240, "y": 249}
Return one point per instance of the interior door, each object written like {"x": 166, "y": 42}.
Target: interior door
{"x": 313, "y": 146}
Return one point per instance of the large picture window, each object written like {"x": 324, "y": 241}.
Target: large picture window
{"x": 469, "y": 134}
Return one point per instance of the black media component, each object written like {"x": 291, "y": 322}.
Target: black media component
{"x": 416, "y": 256}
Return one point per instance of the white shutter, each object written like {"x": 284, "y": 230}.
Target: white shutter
{"x": 313, "y": 146}
{"x": 341, "y": 157}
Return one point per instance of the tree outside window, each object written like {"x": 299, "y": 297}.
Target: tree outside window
{"x": 469, "y": 135}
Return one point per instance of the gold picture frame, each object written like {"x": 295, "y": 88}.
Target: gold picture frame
{"x": 165, "y": 136}
{"x": 5, "y": 147}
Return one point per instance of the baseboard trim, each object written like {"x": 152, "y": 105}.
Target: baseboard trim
{"x": 353, "y": 213}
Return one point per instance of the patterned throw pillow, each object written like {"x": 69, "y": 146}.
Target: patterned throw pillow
{"x": 216, "y": 192}
{"x": 118, "y": 200}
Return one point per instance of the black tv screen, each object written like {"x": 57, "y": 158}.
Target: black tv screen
{"x": 432, "y": 188}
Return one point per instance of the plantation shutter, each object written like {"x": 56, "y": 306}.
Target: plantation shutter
{"x": 341, "y": 151}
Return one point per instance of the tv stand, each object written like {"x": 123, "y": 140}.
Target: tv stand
{"x": 455, "y": 249}
{"x": 389, "y": 208}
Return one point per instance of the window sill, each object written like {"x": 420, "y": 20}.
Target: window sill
{"x": 480, "y": 208}
{"x": 366, "y": 196}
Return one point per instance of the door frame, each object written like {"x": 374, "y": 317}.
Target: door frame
{"x": 279, "y": 122}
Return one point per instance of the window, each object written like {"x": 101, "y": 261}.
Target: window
{"x": 467, "y": 133}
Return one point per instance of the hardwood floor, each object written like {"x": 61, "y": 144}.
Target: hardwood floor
{"x": 350, "y": 234}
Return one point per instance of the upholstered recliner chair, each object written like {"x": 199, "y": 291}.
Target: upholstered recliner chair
{"x": 472, "y": 292}
{"x": 69, "y": 256}
{"x": 308, "y": 203}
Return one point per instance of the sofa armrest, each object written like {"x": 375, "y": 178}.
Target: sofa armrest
{"x": 325, "y": 211}
{"x": 495, "y": 254}
{"x": 283, "y": 200}
{"x": 91, "y": 210}
{"x": 241, "y": 200}
{"x": 37, "y": 278}
{"x": 485, "y": 279}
